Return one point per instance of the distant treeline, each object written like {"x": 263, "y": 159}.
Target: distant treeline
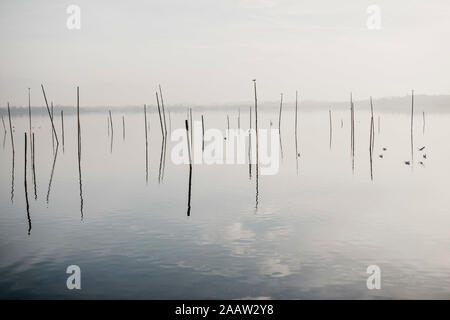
{"x": 429, "y": 103}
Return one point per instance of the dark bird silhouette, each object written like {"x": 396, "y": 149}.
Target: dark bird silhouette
{"x": 384, "y": 149}
{"x": 407, "y": 163}
{"x": 420, "y": 149}
{"x": 381, "y": 156}
{"x": 425, "y": 156}
{"x": 421, "y": 163}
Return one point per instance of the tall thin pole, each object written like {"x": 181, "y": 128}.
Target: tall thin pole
{"x": 203, "y": 134}
{"x": 10, "y": 129}
{"x": 25, "y": 185}
{"x": 79, "y": 153}
{"x": 239, "y": 118}
{"x": 188, "y": 142}
{"x": 190, "y": 167}
{"x": 33, "y": 149}
{"x": 250, "y": 144}
{"x": 160, "y": 116}
{"x": 62, "y": 128}
{"x": 78, "y": 122}
{"x": 331, "y": 128}
{"x": 256, "y": 125}
{"x": 281, "y": 108}
{"x": 412, "y": 126}
{"x": 371, "y": 144}
{"x": 112, "y": 130}
{"x": 163, "y": 111}
{"x": 257, "y": 148}
{"x": 50, "y": 116}
{"x": 29, "y": 114}
{"x": 296, "y": 121}
{"x": 53, "y": 136}
{"x": 123, "y": 127}
{"x": 146, "y": 144}
{"x": 423, "y": 121}
{"x": 372, "y": 125}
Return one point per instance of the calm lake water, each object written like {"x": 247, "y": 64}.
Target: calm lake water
{"x": 316, "y": 227}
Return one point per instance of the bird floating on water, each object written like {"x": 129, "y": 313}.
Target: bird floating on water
{"x": 420, "y": 149}
{"x": 407, "y": 163}
{"x": 425, "y": 156}
{"x": 381, "y": 156}
{"x": 384, "y": 149}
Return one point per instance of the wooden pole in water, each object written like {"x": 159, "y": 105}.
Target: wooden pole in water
{"x": 29, "y": 119}
{"x": 256, "y": 125}
{"x": 412, "y": 126}
{"x": 371, "y": 140}
{"x": 239, "y": 118}
{"x": 351, "y": 124}
{"x": 123, "y": 127}
{"x": 188, "y": 142}
{"x": 146, "y": 144}
{"x": 372, "y": 125}
{"x": 250, "y": 144}
{"x": 257, "y": 148}
{"x": 50, "y": 116}
{"x": 25, "y": 184}
{"x": 296, "y": 122}
{"x": 110, "y": 120}
{"x": 163, "y": 111}
{"x": 29, "y": 115}
{"x": 33, "y": 150}
{"x": 203, "y": 134}
{"x": 79, "y": 152}
{"x": 423, "y": 120}
{"x": 78, "y": 123}
{"x": 62, "y": 128}
{"x": 10, "y": 129}
{"x": 112, "y": 130}
{"x": 331, "y": 127}
{"x": 53, "y": 136}
{"x": 352, "y": 130}
{"x": 281, "y": 108}
{"x": 107, "y": 123}
{"x": 160, "y": 116}
{"x": 190, "y": 167}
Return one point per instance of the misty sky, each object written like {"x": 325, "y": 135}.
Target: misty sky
{"x": 207, "y": 51}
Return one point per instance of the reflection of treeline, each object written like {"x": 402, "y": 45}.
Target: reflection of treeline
{"x": 433, "y": 103}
